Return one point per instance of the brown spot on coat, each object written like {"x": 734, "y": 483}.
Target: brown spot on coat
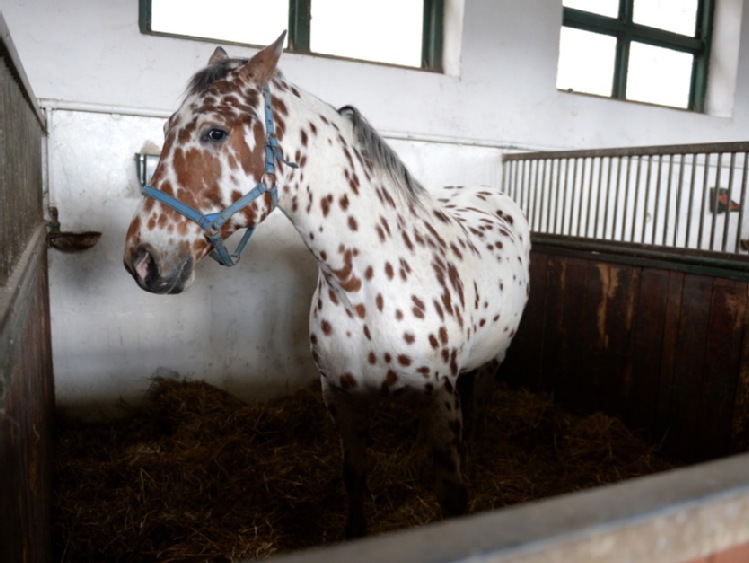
{"x": 404, "y": 359}
{"x": 348, "y": 381}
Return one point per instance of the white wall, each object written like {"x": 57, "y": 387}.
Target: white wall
{"x": 107, "y": 88}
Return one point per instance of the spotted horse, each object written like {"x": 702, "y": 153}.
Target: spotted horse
{"x": 416, "y": 290}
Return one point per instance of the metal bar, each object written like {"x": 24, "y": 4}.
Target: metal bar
{"x": 691, "y": 201}
{"x": 528, "y": 188}
{"x": 667, "y": 216}
{"x": 527, "y": 175}
{"x": 657, "y": 201}
{"x": 588, "y": 214}
{"x": 615, "y": 199}
{"x": 598, "y": 200}
{"x": 563, "y": 206}
{"x": 532, "y": 194}
{"x": 705, "y": 195}
{"x": 634, "y": 151}
{"x": 583, "y": 166}
{"x": 636, "y": 199}
{"x": 627, "y": 175}
{"x": 557, "y": 191}
{"x": 521, "y": 184}
{"x": 543, "y": 201}
{"x": 609, "y": 166}
{"x": 572, "y": 194}
{"x": 552, "y": 193}
{"x": 679, "y": 190}
{"x": 742, "y": 202}
{"x": 647, "y": 197}
{"x": 506, "y": 178}
{"x": 727, "y": 223}
{"x": 716, "y": 202}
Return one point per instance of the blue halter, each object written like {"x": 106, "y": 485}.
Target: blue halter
{"x": 211, "y": 223}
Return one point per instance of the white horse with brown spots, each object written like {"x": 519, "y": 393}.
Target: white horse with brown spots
{"x": 415, "y": 290}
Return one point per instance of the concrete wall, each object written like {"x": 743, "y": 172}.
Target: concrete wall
{"x": 107, "y": 89}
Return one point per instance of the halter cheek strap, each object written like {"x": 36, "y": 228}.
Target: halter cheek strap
{"x": 211, "y": 223}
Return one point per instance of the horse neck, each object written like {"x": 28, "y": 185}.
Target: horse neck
{"x": 336, "y": 201}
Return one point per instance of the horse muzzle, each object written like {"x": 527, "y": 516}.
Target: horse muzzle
{"x": 145, "y": 267}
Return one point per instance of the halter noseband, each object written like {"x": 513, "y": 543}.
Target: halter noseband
{"x": 211, "y": 223}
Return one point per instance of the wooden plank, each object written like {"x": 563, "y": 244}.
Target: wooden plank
{"x": 686, "y": 435}
{"x": 524, "y": 362}
{"x": 651, "y": 345}
{"x": 553, "y": 325}
{"x": 723, "y": 356}
{"x": 647, "y": 344}
{"x": 592, "y": 354}
{"x": 26, "y": 410}
{"x": 571, "y": 384}
{"x": 615, "y": 326}
{"x": 740, "y": 418}
{"x": 667, "y": 378}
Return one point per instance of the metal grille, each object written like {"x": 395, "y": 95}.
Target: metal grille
{"x": 682, "y": 196}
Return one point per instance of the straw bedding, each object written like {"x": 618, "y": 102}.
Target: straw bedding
{"x": 195, "y": 474}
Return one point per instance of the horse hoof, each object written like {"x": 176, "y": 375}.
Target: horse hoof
{"x": 355, "y": 531}
{"x": 455, "y": 503}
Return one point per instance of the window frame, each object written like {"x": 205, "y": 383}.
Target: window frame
{"x": 625, "y": 30}
{"x": 299, "y": 33}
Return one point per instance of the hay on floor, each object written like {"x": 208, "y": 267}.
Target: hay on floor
{"x": 195, "y": 474}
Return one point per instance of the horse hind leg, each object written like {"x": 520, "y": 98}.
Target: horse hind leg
{"x": 475, "y": 389}
{"x": 442, "y": 426}
{"x": 350, "y": 418}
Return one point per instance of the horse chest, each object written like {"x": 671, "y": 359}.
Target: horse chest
{"x": 383, "y": 344}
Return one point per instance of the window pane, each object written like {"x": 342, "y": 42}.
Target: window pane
{"x": 679, "y": 16}
{"x": 659, "y": 76}
{"x": 586, "y": 62}
{"x": 608, "y": 8}
{"x": 253, "y": 22}
{"x": 387, "y": 31}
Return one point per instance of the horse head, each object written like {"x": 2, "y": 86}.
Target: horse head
{"x": 216, "y": 173}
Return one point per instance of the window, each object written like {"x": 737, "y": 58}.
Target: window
{"x": 401, "y": 32}
{"x": 652, "y": 51}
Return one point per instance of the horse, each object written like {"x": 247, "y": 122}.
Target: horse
{"x": 419, "y": 293}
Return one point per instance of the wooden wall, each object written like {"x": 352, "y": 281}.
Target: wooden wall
{"x": 660, "y": 343}
{"x": 26, "y": 385}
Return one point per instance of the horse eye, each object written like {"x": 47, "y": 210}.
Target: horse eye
{"x": 214, "y": 135}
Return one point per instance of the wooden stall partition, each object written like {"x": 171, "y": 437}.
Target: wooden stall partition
{"x": 26, "y": 385}
{"x": 659, "y": 341}
{"x": 694, "y": 515}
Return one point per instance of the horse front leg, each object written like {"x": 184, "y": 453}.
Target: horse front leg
{"x": 442, "y": 423}
{"x": 350, "y": 417}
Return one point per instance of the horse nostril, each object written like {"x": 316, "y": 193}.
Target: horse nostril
{"x": 144, "y": 267}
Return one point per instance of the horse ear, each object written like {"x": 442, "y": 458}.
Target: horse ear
{"x": 218, "y": 56}
{"x": 262, "y": 66}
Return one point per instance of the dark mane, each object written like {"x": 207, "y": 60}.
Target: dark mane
{"x": 202, "y": 79}
{"x": 374, "y": 147}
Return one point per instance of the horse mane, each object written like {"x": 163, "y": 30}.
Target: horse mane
{"x": 374, "y": 147}
{"x": 202, "y": 79}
